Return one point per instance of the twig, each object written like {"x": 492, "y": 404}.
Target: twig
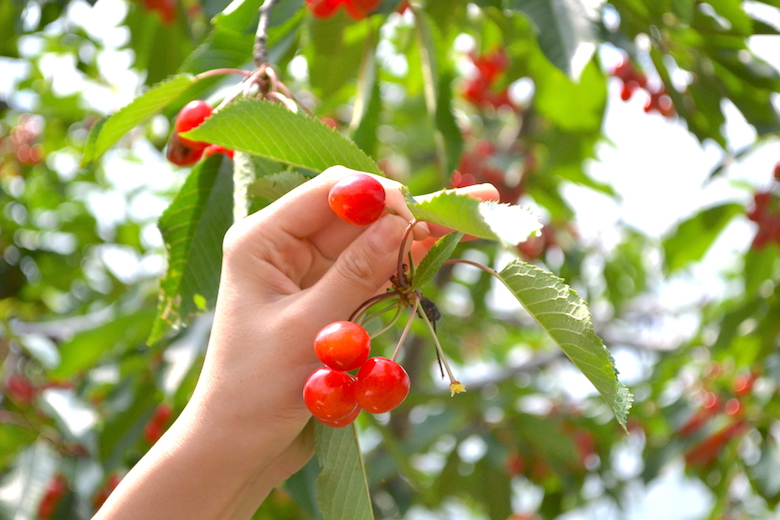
{"x": 260, "y": 50}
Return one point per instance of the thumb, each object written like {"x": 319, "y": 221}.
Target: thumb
{"x": 360, "y": 271}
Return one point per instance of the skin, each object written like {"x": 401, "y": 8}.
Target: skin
{"x": 288, "y": 271}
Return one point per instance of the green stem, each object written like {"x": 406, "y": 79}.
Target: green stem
{"x": 357, "y": 314}
{"x": 406, "y": 329}
{"x": 390, "y": 323}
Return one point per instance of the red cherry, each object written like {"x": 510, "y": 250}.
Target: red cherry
{"x": 330, "y": 394}
{"x": 382, "y": 384}
{"x": 158, "y": 423}
{"x": 190, "y": 116}
{"x": 342, "y": 345}
{"x": 358, "y": 199}
{"x": 359, "y": 9}
{"x": 344, "y": 421}
{"x": 323, "y": 8}
{"x": 103, "y": 493}
{"x": 20, "y": 389}
{"x": 215, "y": 148}
{"x": 180, "y": 154}
{"x": 56, "y": 489}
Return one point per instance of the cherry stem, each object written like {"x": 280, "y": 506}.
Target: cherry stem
{"x": 407, "y": 328}
{"x": 475, "y": 264}
{"x": 400, "y": 269}
{"x": 221, "y": 72}
{"x": 356, "y": 315}
{"x": 392, "y": 321}
{"x": 439, "y": 349}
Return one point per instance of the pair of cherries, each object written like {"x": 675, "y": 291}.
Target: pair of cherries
{"x": 186, "y": 152}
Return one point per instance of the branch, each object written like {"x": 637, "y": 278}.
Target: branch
{"x": 260, "y": 50}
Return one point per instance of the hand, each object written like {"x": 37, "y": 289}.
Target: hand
{"x": 287, "y": 271}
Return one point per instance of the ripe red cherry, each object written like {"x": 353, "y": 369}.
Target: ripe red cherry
{"x": 330, "y": 394}
{"x": 382, "y": 384}
{"x": 358, "y": 199}
{"x": 180, "y": 154}
{"x": 344, "y": 421}
{"x": 342, "y": 345}
{"x": 323, "y": 8}
{"x": 190, "y": 116}
{"x": 215, "y": 148}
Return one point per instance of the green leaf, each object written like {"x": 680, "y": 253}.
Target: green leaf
{"x": 438, "y": 254}
{"x": 87, "y": 348}
{"x": 246, "y": 170}
{"x": 271, "y": 131}
{"x": 273, "y": 186}
{"x": 692, "y": 238}
{"x": 107, "y": 132}
{"x": 567, "y": 31}
{"x": 342, "y": 490}
{"x": 566, "y": 318}
{"x": 506, "y": 223}
{"x": 12, "y": 439}
{"x": 193, "y": 227}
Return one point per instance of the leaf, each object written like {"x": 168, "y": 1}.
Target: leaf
{"x": 438, "y": 254}
{"x": 273, "y": 186}
{"x": 567, "y": 31}
{"x": 107, "y": 132}
{"x": 84, "y": 350}
{"x": 193, "y": 227}
{"x": 246, "y": 170}
{"x": 507, "y": 223}
{"x": 342, "y": 490}
{"x": 271, "y": 131}
{"x": 692, "y": 238}
{"x": 566, "y": 318}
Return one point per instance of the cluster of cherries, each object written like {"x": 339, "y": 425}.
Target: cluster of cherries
{"x": 766, "y": 213}
{"x": 633, "y": 80}
{"x": 333, "y": 395}
{"x": 356, "y": 9}
{"x": 186, "y": 152}
{"x": 480, "y": 89}
{"x": 158, "y": 423}
{"x": 477, "y": 166}
{"x": 21, "y": 146}
{"x": 712, "y": 406}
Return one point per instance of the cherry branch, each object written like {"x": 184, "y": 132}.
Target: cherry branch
{"x": 260, "y": 50}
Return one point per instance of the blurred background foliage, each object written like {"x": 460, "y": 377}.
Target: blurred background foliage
{"x": 441, "y": 94}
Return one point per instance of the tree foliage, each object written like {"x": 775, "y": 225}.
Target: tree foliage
{"x": 111, "y": 256}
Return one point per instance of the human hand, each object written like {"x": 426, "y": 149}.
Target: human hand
{"x": 287, "y": 271}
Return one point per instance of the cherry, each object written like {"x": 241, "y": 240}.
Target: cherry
{"x": 56, "y": 489}
{"x": 157, "y": 424}
{"x": 342, "y": 345}
{"x": 20, "y": 389}
{"x": 330, "y": 394}
{"x": 382, "y": 384}
{"x": 102, "y": 495}
{"x": 190, "y": 116}
{"x": 180, "y": 154}
{"x": 358, "y": 199}
{"x": 215, "y": 148}
{"x": 344, "y": 421}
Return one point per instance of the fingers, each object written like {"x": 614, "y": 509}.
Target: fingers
{"x": 361, "y": 270}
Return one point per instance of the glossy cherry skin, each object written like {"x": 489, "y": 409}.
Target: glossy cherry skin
{"x": 190, "y": 116}
{"x": 215, "y": 148}
{"x": 342, "y": 345}
{"x": 382, "y": 384}
{"x": 180, "y": 154}
{"x": 330, "y": 394}
{"x": 358, "y": 199}
{"x": 344, "y": 421}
